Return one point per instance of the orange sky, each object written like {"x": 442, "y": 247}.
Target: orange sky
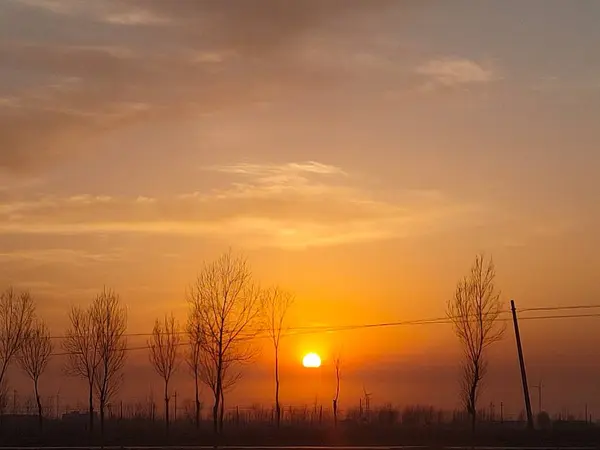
{"x": 358, "y": 153}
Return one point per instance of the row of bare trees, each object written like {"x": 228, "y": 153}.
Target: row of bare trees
{"x": 227, "y": 309}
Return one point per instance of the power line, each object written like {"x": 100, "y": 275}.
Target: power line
{"x": 560, "y": 308}
{"x": 341, "y": 328}
{"x": 441, "y": 320}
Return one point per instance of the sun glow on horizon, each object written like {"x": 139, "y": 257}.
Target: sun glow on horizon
{"x": 311, "y": 361}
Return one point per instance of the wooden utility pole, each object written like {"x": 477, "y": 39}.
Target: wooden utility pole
{"x": 522, "y": 364}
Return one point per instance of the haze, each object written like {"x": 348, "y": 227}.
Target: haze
{"x": 358, "y": 153}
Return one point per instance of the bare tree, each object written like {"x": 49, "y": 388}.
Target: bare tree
{"x": 34, "y": 357}
{"x": 164, "y": 353}
{"x": 193, "y": 359}
{"x": 226, "y": 304}
{"x": 16, "y": 317}
{"x": 337, "y": 365}
{"x": 276, "y": 305}
{"x": 82, "y": 349}
{"x": 475, "y": 311}
{"x": 109, "y": 319}
{"x": 95, "y": 344}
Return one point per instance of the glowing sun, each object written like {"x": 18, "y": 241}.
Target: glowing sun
{"x": 311, "y": 360}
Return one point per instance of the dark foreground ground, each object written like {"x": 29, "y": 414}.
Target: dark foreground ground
{"x": 131, "y": 434}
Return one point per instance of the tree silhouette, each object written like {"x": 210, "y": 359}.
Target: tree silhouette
{"x": 164, "y": 354}
{"x": 337, "y": 365}
{"x": 276, "y": 305}
{"x": 83, "y": 356}
{"x": 224, "y": 303}
{"x": 34, "y": 357}
{"x": 109, "y": 320}
{"x": 96, "y": 346}
{"x": 16, "y": 317}
{"x": 474, "y": 312}
{"x": 193, "y": 359}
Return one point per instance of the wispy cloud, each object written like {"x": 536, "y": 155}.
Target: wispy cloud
{"x": 108, "y": 11}
{"x": 57, "y": 256}
{"x": 136, "y": 17}
{"x": 288, "y": 205}
{"x": 262, "y": 170}
{"x": 451, "y": 71}
{"x": 203, "y": 56}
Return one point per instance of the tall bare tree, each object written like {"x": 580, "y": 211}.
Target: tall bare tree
{"x": 109, "y": 319}
{"x": 475, "y": 312}
{"x": 16, "y": 317}
{"x": 193, "y": 358}
{"x": 34, "y": 357}
{"x": 82, "y": 349}
{"x": 337, "y": 366}
{"x": 226, "y": 304}
{"x": 276, "y": 305}
{"x": 164, "y": 353}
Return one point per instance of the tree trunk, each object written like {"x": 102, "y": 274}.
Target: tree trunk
{"x": 222, "y": 413}
{"x": 216, "y": 411}
{"x": 91, "y": 407}
{"x": 219, "y": 388}
{"x": 473, "y": 399}
{"x": 335, "y": 412}
{"x": 167, "y": 407}
{"x": 102, "y": 408}
{"x": 39, "y": 405}
{"x": 197, "y": 398}
{"x": 277, "y": 406}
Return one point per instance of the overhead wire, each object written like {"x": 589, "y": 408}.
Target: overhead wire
{"x": 259, "y": 333}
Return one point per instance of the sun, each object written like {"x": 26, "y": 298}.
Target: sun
{"x": 311, "y": 360}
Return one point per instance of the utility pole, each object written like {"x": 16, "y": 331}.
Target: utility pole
{"x": 522, "y": 364}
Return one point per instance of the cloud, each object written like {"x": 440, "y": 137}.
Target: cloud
{"x": 106, "y": 65}
{"x": 108, "y": 11}
{"x": 262, "y": 170}
{"x": 456, "y": 72}
{"x": 136, "y": 17}
{"x": 290, "y": 205}
{"x": 57, "y": 256}
{"x": 92, "y": 89}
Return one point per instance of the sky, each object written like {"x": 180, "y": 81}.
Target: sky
{"x": 358, "y": 153}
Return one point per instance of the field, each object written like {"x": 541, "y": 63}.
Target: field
{"x": 133, "y": 434}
